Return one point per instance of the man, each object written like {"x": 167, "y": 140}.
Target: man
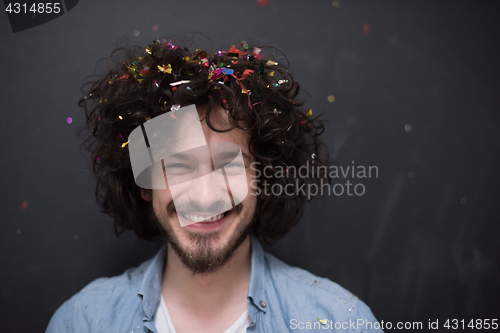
{"x": 179, "y": 144}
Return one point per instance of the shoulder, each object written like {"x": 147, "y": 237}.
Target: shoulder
{"x": 306, "y": 297}
{"x": 97, "y": 302}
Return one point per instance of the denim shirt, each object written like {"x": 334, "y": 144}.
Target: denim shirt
{"x": 280, "y": 298}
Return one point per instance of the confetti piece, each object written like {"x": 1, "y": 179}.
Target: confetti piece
{"x": 18, "y": 231}
{"x": 121, "y": 118}
{"x": 124, "y": 77}
{"x": 126, "y": 143}
{"x": 121, "y": 137}
{"x": 173, "y": 84}
{"x": 408, "y": 128}
{"x": 271, "y": 63}
{"x": 366, "y": 28}
{"x": 323, "y": 321}
{"x": 24, "y": 205}
{"x": 331, "y": 98}
{"x": 75, "y": 237}
{"x": 227, "y": 71}
{"x": 155, "y": 27}
{"x": 165, "y": 69}
{"x": 309, "y": 113}
{"x": 69, "y": 120}
{"x": 271, "y": 74}
{"x": 136, "y": 33}
{"x": 246, "y": 72}
{"x": 173, "y": 116}
{"x": 263, "y": 3}
{"x": 336, "y": 3}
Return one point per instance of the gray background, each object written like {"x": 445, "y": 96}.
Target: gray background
{"x": 421, "y": 244}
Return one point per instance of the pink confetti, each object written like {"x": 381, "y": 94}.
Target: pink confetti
{"x": 155, "y": 27}
{"x": 24, "y": 205}
{"x": 69, "y": 120}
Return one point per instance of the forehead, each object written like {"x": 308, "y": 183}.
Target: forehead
{"x": 219, "y": 119}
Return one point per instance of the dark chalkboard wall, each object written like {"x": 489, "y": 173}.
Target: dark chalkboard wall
{"x": 416, "y": 94}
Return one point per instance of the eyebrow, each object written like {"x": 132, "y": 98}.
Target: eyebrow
{"x": 182, "y": 156}
{"x": 231, "y": 154}
{"x": 223, "y": 155}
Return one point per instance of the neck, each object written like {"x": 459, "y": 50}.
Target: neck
{"x": 216, "y": 290}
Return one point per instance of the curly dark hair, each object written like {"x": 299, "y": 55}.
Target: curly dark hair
{"x": 257, "y": 92}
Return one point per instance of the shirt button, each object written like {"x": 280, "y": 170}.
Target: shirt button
{"x": 263, "y": 304}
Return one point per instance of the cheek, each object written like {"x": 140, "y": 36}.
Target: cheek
{"x": 161, "y": 198}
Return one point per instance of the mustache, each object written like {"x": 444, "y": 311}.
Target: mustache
{"x": 191, "y": 206}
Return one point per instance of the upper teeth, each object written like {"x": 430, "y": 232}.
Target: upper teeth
{"x": 198, "y": 218}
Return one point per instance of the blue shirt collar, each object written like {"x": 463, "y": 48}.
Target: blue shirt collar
{"x": 150, "y": 289}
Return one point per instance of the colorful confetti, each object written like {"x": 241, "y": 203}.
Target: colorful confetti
{"x": 155, "y": 27}
{"x": 125, "y": 143}
{"x": 331, "y": 98}
{"x": 309, "y": 113}
{"x": 336, "y": 3}
{"x": 24, "y": 205}
{"x": 69, "y": 120}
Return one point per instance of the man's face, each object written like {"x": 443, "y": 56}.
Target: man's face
{"x": 206, "y": 246}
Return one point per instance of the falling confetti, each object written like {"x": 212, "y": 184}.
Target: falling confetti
{"x": 336, "y": 3}
{"x": 125, "y": 143}
{"x": 331, "y": 98}
{"x": 69, "y": 120}
{"x": 155, "y": 27}
{"x": 408, "y": 128}
{"x": 136, "y": 33}
{"x": 263, "y": 3}
{"x": 366, "y": 28}
{"x": 24, "y": 205}
{"x": 75, "y": 237}
{"x": 18, "y": 231}
{"x": 323, "y": 321}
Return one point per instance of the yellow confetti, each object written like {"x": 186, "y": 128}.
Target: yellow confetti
{"x": 271, "y": 63}
{"x": 147, "y": 118}
{"x": 125, "y": 143}
{"x": 243, "y": 91}
{"x": 109, "y": 82}
{"x": 323, "y": 321}
{"x": 309, "y": 113}
{"x": 148, "y": 50}
{"x": 18, "y": 231}
{"x": 75, "y": 237}
{"x": 165, "y": 69}
{"x": 331, "y": 98}
{"x": 271, "y": 74}
{"x": 140, "y": 80}
{"x": 336, "y": 3}
{"x": 121, "y": 118}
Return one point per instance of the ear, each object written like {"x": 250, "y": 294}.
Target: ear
{"x": 147, "y": 195}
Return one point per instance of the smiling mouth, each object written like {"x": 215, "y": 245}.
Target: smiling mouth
{"x": 200, "y": 218}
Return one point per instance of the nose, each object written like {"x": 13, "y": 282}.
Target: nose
{"x": 209, "y": 192}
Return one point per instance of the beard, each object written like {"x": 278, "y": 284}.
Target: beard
{"x": 200, "y": 256}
